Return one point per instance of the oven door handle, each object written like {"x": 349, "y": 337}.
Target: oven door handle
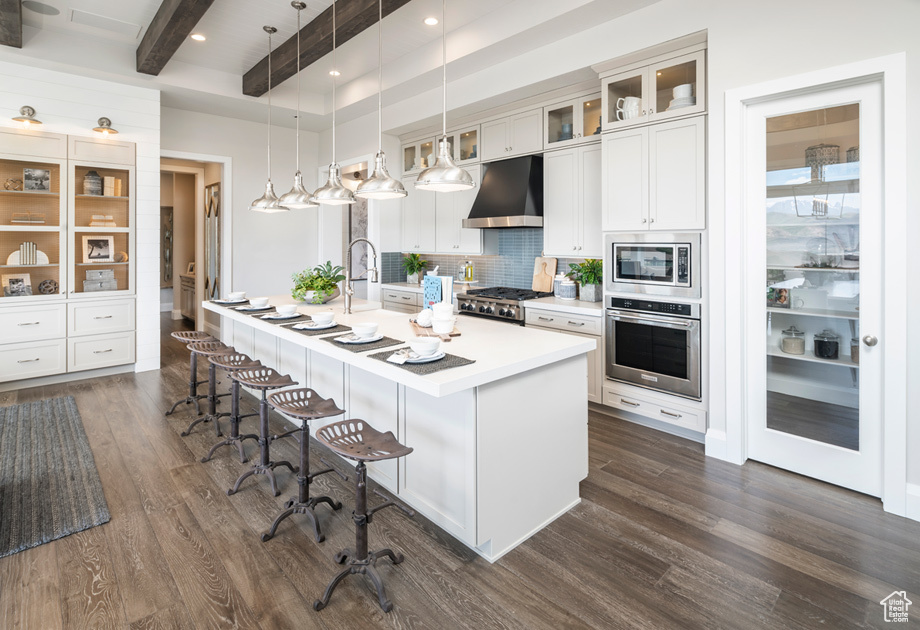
{"x": 663, "y": 322}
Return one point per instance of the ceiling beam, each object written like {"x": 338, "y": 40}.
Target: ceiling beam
{"x": 173, "y": 22}
{"x": 11, "y": 23}
{"x": 352, "y": 17}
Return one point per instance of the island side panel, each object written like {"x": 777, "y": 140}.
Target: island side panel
{"x": 374, "y": 399}
{"x": 439, "y": 477}
{"x": 532, "y": 452}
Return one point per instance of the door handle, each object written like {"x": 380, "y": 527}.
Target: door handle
{"x": 571, "y": 323}
{"x": 546, "y": 319}
{"x": 870, "y": 340}
{"x": 669, "y": 414}
{"x": 629, "y": 402}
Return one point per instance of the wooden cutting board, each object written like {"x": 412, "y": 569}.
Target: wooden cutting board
{"x": 427, "y": 332}
{"x": 543, "y": 271}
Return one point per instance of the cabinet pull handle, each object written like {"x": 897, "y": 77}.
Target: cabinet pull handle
{"x": 545, "y": 319}
{"x": 102, "y": 351}
{"x": 405, "y": 297}
{"x": 28, "y": 360}
{"x": 571, "y": 323}
{"x": 629, "y": 402}
{"x": 670, "y": 415}
{"x": 28, "y": 323}
{"x": 103, "y": 317}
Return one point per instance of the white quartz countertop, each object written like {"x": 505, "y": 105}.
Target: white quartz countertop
{"x": 573, "y": 307}
{"x": 499, "y": 349}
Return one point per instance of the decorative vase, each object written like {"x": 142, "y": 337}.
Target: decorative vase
{"x": 412, "y": 278}
{"x": 308, "y": 296}
{"x": 591, "y": 293}
{"x": 92, "y": 183}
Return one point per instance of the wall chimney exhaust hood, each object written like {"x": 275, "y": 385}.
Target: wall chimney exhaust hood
{"x": 510, "y": 196}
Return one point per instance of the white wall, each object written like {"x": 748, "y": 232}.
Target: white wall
{"x": 71, "y": 105}
{"x": 267, "y": 248}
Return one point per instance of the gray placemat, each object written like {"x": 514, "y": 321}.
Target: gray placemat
{"x": 449, "y": 361}
{"x": 281, "y": 322}
{"x": 365, "y": 347}
{"x": 339, "y": 329}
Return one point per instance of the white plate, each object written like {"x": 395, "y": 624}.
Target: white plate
{"x": 279, "y": 316}
{"x": 352, "y": 338}
{"x": 253, "y": 308}
{"x": 683, "y": 102}
{"x": 41, "y": 258}
{"x": 313, "y": 326}
{"x": 414, "y": 358}
{"x": 229, "y": 301}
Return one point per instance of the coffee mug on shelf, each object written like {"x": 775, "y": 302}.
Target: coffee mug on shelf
{"x": 628, "y": 107}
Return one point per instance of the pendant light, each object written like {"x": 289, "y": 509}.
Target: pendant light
{"x": 380, "y": 185}
{"x": 298, "y": 198}
{"x": 445, "y": 175}
{"x": 334, "y": 192}
{"x": 269, "y": 201}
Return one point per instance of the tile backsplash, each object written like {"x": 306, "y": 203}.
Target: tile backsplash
{"x": 511, "y": 267}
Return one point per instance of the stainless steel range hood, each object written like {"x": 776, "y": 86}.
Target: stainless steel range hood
{"x": 510, "y": 196}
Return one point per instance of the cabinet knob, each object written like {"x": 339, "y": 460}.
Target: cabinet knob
{"x": 643, "y": 112}
{"x": 870, "y": 340}
{"x": 651, "y": 220}
{"x": 643, "y": 220}
{"x": 651, "y": 111}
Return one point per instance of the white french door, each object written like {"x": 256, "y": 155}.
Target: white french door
{"x": 814, "y": 343}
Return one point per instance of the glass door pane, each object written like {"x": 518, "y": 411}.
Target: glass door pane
{"x": 560, "y": 124}
{"x": 675, "y": 86}
{"x": 624, "y": 97}
{"x": 426, "y": 154}
{"x": 813, "y": 274}
{"x": 409, "y": 161}
{"x": 591, "y": 117}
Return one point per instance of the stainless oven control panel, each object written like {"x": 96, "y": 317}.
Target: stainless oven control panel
{"x": 649, "y": 306}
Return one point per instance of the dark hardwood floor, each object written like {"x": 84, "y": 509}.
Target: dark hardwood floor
{"x": 663, "y": 538}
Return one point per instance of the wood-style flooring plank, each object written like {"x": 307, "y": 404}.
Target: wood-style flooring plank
{"x": 30, "y": 594}
{"x": 172, "y": 618}
{"x": 90, "y": 592}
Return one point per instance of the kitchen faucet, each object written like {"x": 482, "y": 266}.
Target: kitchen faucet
{"x": 349, "y": 290}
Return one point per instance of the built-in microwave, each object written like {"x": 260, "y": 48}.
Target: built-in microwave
{"x": 653, "y": 263}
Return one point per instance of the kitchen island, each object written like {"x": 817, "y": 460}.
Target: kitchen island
{"x": 500, "y": 445}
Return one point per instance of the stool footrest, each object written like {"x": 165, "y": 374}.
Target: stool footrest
{"x": 332, "y": 468}
{"x": 389, "y": 503}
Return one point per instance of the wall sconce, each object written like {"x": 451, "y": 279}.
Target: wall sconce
{"x": 27, "y": 116}
{"x": 105, "y": 127}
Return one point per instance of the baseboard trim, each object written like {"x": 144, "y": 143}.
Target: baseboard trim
{"x": 913, "y": 502}
{"x": 166, "y": 307}
{"x": 176, "y": 314}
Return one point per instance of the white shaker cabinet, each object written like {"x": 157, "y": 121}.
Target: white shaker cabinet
{"x": 519, "y": 134}
{"x": 655, "y": 177}
{"x": 572, "y": 202}
{"x": 418, "y": 218}
{"x": 450, "y": 210}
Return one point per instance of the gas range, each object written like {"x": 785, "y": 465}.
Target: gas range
{"x": 502, "y": 303}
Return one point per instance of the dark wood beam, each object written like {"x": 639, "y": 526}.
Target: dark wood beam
{"x": 11, "y": 23}
{"x": 352, "y": 17}
{"x": 173, "y": 22}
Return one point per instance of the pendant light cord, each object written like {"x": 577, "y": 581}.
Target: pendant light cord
{"x": 297, "y": 117}
{"x": 444, "y": 63}
{"x": 269, "y": 106}
{"x": 380, "y": 74}
{"x": 333, "y": 81}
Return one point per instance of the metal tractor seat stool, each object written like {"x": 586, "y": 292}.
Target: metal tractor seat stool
{"x": 210, "y": 349}
{"x": 187, "y": 337}
{"x": 357, "y": 440}
{"x": 263, "y": 379}
{"x": 305, "y": 405}
{"x": 232, "y": 363}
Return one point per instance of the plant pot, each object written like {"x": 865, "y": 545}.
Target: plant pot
{"x": 591, "y": 293}
{"x": 412, "y": 278}
{"x": 308, "y": 296}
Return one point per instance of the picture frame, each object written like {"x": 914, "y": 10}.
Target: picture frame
{"x": 36, "y": 180}
{"x": 191, "y": 269}
{"x": 17, "y": 284}
{"x": 98, "y": 249}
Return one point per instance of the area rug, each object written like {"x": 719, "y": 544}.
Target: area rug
{"x": 49, "y": 486}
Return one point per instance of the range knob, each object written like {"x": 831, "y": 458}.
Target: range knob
{"x": 490, "y": 310}
{"x": 467, "y": 306}
{"x": 509, "y": 312}
{"x": 502, "y": 312}
{"x": 482, "y": 309}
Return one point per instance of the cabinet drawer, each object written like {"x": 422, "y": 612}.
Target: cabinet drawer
{"x": 400, "y": 308}
{"x": 30, "y": 323}
{"x": 693, "y": 419}
{"x": 93, "y": 318}
{"x": 88, "y": 353}
{"x": 402, "y": 297}
{"x": 563, "y": 321}
{"x": 28, "y": 360}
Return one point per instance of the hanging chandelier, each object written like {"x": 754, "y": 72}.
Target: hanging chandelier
{"x": 268, "y": 202}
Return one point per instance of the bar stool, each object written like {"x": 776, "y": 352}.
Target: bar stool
{"x": 232, "y": 363}
{"x": 263, "y": 379}
{"x": 305, "y": 405}
{"x": 357, "y": 440}
{"x": 187, "y": 337}
{"x": 210, "y": 349}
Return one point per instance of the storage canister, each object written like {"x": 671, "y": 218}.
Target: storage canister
{"x": 827, "y": 344}
{"x": 854, "y": 350}
{"x": 567, "y": 290}
{"x": 558, "y": 279}
{"x": 793, "y": 341}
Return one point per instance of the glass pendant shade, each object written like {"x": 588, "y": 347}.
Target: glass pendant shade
{"x": 380, "y": 185}
{"x": 334, "y": 192}
{"x": 445, "y": 175}
{"x": 298, "y": 197}
{"x": 268, "y": 202}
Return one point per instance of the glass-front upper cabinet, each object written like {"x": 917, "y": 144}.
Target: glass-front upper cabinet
{"x": 102, "y": 228}
{"x": 572, "y": 122}
{"x": 464, "y": 144}
{"x": 419, "y": 155}
{"x": 32, "y": 242}
{"x": 659, "y": 91}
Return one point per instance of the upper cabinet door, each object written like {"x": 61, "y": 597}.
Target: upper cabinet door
{"x": 677, "y": 87}
{"x": 590, "y": 167}
{"x": 572, "y": 122}
{"x": 625, "y": 182}
{"x": 464, "y": 144}
{"x": 495, "y": 140}
{"x": 418, "y": 155}
{"x": 560, "y": 203}
{"x": 677, "y": 174}
{"x": 624, "y": 100}
{"x": 526, "y": 133}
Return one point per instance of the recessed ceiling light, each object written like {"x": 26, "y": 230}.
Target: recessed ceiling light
{"x": 431, "y": 21}
{"x": 40, "y": 7}
{"x": 198, "y": 37}
{"x": 335, "y": 73}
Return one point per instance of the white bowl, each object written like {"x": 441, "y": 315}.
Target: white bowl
{"x": 365, "y": 330}
{"x": 425, "y": 346}
{"x": 443, "y": 326}
{"x": 323, "y": 317}
{"x": 442, "y": 309}
{"x": 237, "y": 295}
{"x": 286, "y": 309}
{"x": 259, "y": 302}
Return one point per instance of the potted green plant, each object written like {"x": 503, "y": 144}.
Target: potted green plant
{"x": 318, "y": 285}
{"x": 414, "y": 265}
{"x": 589, "y": 275}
